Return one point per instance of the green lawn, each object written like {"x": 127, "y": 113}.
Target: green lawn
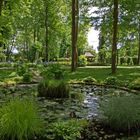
{"x": 124, "y": 74}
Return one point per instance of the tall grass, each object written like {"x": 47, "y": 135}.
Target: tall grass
{"x": 122, "y": 113}
{"x": 53, "y": 89}
{"x": 19, "y": 120}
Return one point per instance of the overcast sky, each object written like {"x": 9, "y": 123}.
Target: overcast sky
{"x": 93, "y": 34}
{"x": 93, "y": 38}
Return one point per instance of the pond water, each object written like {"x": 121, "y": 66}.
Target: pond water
{"x": 58, "y": 109}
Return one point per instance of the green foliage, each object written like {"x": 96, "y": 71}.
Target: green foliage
{"x": 122, "y": 113}
{"x": 111, "y": 80}
{"x": 22, "y": 69}
{"x": 11, "y": 81}
{"x": 77, "y": 95}
{"x": 128, "y": 60}
{"x": 55, "y": 71}
{"x": 14, "y": 77}
{"x": 135, "y": 84}
{"x": 8, "y": 82}
{"x": 89, "y": 80}
{"x": 53, "y": 89}
{"x": 66, "y": 130}
{"x": 19, "y": 120}
{"x": 82, "y": 60}
{"x": 6, "y": 64}
{"x": 27, "y": 77}
{"x": 13, "y": 74}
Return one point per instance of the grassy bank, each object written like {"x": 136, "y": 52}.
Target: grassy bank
{"x": 123, "y": 74}
{"x": 99, "y": 73}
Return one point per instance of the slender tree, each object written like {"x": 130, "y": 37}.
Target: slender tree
{"x": 114, "y": 41}
{"x": 46, "y": 37}
{"x": 74, "y": 35}
{"x": 73, "y": 65}
{"x": 139, "y": 43}
{"x": 1, "y": 3}
{"x": 77, "y": 29}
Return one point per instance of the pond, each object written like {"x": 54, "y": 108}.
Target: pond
{"x": 58, "y": 109}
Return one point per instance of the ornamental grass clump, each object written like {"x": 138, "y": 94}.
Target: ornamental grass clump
{"x": 53, "y": 89}
{"x": 19, "y": 120}
{"x": 122, "y": 113}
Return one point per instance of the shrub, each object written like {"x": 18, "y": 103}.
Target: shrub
{"x": 53, "y": 89}
{"x": 111, "y": 80}
{"x": 55, "y": 71}
{"x": 19, "y": 120}
{"x": 66, "y": 130}
{"x": 63, "y": 59}
{"x": 82, "y": 60}
{"x": 5, "y": 64}
{"x": 122, "y": 113}
{"x": 17, "y": 79}
{"x": 27, "y": 77}
{"x": 9, "y": 82}
{"x": 135, "y": 84}
{"x": 77, "y": 95}
{"x": 22, "y": 69}
{"x": 89, "y": 80}
{"x": 13, "y": 74}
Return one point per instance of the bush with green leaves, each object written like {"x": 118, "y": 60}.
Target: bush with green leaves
{"x": 66, "y": 130}
{"x": 5, "y": 64}
{"x": 122, "y": 113}
{"x": 89, "y": 80}
{"x": 53, "y": 89}
{"x": 135, "y": 84}
{"x": 111, "y": 80}
{"x": 19, "y": 120}
{"x": 22, "y": 69}
{"x": 82, "y": 60}
{"x": 27, "y": 77}
{"x": 77, "y": 96}
{"x": 55, "y": 71}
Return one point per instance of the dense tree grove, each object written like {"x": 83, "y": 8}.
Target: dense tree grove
{"x": 48, "y": 29}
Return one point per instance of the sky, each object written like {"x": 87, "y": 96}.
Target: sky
{"x": 93, "y": 34}
{"x": 93, "y": 38}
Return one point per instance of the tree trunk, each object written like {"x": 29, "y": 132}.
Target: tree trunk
{"x": 1, "y": 2}
{"x": 139, "y": 45}
{"x": 46, "y": 37}
{"x": 76, "y": 30}
{"x": 75, "y": 16}
{"x": 114, "y": 42}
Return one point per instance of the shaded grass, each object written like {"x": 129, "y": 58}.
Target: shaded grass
{"x": 100, "y": 74}
{"x": 4, "y": 73}
{"x": 123, "y": 74}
